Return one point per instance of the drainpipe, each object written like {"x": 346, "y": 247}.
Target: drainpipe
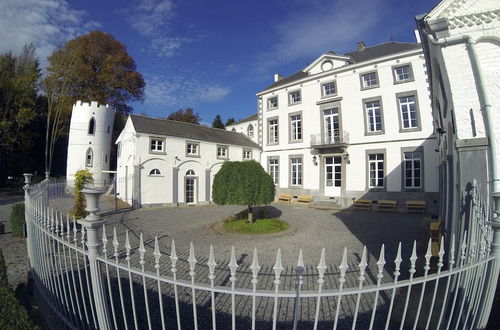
{"x": 493, "y": 164}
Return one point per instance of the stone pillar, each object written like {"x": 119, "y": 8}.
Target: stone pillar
{"x": 91, "y": 223}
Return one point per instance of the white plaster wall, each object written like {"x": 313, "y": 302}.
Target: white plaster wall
{"x": 79, "y": 141}
{"x": 243, "y": 129}
{"x": 125, "y": 162}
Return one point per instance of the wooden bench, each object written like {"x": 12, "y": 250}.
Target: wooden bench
{"x": 415, "y": 206}
{"x": 304, "y": 200}
{"x": 284, "y": 198}
{"x": 387, "y": 205}
{"x": 362, "y": 204}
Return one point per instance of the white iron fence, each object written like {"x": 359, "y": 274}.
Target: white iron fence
{"x": 91, "y": 276}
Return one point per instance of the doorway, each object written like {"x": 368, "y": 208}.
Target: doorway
{"x": 333, "y": 176}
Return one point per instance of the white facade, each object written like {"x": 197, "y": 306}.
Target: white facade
{"x": 89, "y": 143}
{"x": 325, "y": 126}
{"x": 247, "y": 126}
{"x": 162, "y": 169}
{"x": 462, "y": 43}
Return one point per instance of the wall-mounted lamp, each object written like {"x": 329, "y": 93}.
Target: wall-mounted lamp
{"x": 346, "y": 158}
{"x": 440, "y": 130}
{"x": 315, "y": 160}
{"x": 177, "y": 158}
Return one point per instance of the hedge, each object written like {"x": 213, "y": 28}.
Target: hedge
{"x": 3, "y": 272}
{"x": 17, "y": 220}
{"x": 12, "y": 313}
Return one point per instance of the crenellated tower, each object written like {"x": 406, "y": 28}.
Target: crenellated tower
{"x": 89, "y": 143}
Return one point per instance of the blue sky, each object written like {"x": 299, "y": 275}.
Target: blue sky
{"x": 213, "y": 56}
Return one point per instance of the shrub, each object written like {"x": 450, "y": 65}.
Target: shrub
{"x": 82, "y": 179}
{"x": 13, "y": 315}
{"x": 243, "y": 183}
{"x": 3, "y": 272}
{"x": 17, "y": 219}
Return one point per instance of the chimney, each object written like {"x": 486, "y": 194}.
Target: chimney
{"x": 277, "y": 77}
{"x": 417, "y": 36}
{"x": 361, "y": 46}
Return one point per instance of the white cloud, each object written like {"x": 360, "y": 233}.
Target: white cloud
{"x": 320, "y": 26}
{"x": 152, "y": 19}
{"x": 177, "y": 91}
{"x": 45, "y": 23}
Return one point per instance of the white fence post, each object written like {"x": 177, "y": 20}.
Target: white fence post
{"x": 27, "y": 207}
{"x": 91, "y": 223}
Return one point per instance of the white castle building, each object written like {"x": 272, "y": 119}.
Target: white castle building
{"x": 89, "y": 143}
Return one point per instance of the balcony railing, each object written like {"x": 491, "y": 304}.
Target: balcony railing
{"x": 338, "y": 139}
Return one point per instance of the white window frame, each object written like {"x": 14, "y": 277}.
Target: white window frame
{"x": 296, "y": 127}
{"x": 250, "y": 131}
{"x": 378, "y": 171}
{"x": 222, "y": 152}
{"x": 324, "y": 92}
{"x": 156, "y": 171}
{"x": 247, "y": 154}
{"x": 192, "y": 149}
{"x": 156, "y": 145}
{"x": 405, "y": 108}
{"x": 294, "y": 97}
{"x": 89, "y": 161}
{"x": 273, "y": 131}
{"x": 402, "y": 76}
{"x": 273, "y": 169}
{"x": 412, "y": 158}
{"x": 296, "y": 171}
{"x": 371, "y": 107}
{"x": 271, "y": 101}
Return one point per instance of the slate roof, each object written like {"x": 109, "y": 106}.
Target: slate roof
{"x": 244, "y": 120}
{"x": 143, "y": 124}
{"x": 367, "y": 54}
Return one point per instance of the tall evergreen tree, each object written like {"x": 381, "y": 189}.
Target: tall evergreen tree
{"x": 230, "y": 121}
{"x": 217, "y": 123}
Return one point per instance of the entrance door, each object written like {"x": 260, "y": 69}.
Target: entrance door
{"x": 332, "y": 127}
{"x": 333, "y": 176}
{"x": 190, "y": 190}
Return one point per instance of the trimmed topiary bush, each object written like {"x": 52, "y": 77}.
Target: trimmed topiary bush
{"x": 82, "y": 179}
{"x": 17, "y": 220}
{"x": 243, "y": 183}
{"x": 13, "y": 315}
{"x": 3, "y": 272}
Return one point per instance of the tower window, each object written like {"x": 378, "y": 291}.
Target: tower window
{"x": 92, "y": 126}
{"x": 89, "y": 158}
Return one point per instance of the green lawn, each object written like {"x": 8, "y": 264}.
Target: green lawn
{"x": 259, "y": 226}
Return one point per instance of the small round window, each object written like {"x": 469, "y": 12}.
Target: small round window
{"x": 155, "y": 171}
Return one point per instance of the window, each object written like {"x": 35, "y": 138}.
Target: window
{"x": 247, "y": 154}
{"x": 329, "y": 89}
{"x": 190, "y": 173}
{"x": 222, "y": 152}
{"x": 155, "y": 172}
{"x": 272, "y": 131}
{"x": 233, "y": 130}
{"x": 89, "y": 158}
{"x": 296, "y": 171}
{"x": 157, "y": 145}
{"x": 376, "y": 170}
{"x": 369, "y": 80}
{"x": 408, "y": 109}
{"x": 412, "y": 169}
{"x": 192, "y": 149}
{"x": 294, "y": 97}
{"x": 106, "y": 159}
{"x": 272, "y": 103}
{"x": 273, "y": 169}
{"x": 250, "y": 131}
{"x": 295, "y": 128}
{"x": 108, "y": 129}
{"x": 119, "y": 150}
{"x": 91, "y": 126}
{"x": 402, "y": 73}
{"x": 373, "y": 117}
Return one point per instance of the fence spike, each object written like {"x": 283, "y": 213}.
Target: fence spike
{"x": 68, "y": 230}
{"x": 322, "y": 265}
{"x": 61, "y": 223}
{"x": 343, "y": 265}
{"x": 278, "y": 267}
{"x": 452, "y": 251}
{"x": 255, "y": 267}
{"x": 115, "y": 242}
{"x": 441, "y": 253}
{"x": 104, "y": 240}
{"x": 428, "y": 256}
{"x": 173, "y": 255}
{"x": 211, "y": 262}
{"x": 127, "y": 245}
{"x": 192, "y": 258}
{"x": 157, "y": 253}
{"x": 381, "y": 262}
{"x": 300, "y": 261}
{"x": 233, "y": 265}
{"x": 142, "y": 249}
{"x": 362, "y": 265}
{"x": 463, "y": 248}
{"x": 75, "y": 231}
{"x": 413, "y": 258}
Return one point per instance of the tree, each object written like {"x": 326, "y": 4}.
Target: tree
{"x": 230, "y": 121}
{"x": 243, "y": 183}
{"x": 217, "y": 123}
{"x": 92, "y": 67}
{"x": 187, "y": 116}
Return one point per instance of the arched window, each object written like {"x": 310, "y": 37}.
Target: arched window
{"x": 190, "y": 173}
{"x": 89, "y": 157}
{"x": 155, "y": 171}
{"x": 250, "y": 131}
{"x": 106, "y": 159}
{"x": 234, "y": 129}
{"x": 92, "y": 126}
